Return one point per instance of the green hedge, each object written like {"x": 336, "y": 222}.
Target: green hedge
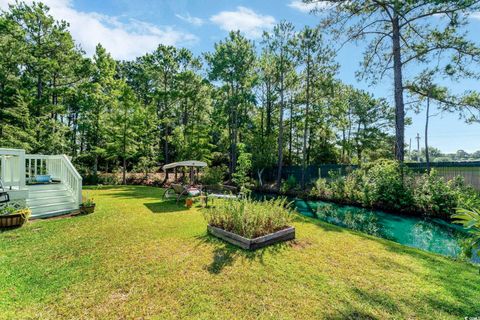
{"x": 386, "y": 185}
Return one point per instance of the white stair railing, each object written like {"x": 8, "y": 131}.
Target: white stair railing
{"x": 59, "y": 167}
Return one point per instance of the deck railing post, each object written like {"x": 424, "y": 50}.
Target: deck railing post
{"x": 3, "y": 169}
{"x": 21, "y": 164}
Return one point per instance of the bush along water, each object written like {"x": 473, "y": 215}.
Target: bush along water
{"x": 385, "y": 185}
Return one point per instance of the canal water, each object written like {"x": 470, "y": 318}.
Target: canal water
{"x": 432, "y": 235}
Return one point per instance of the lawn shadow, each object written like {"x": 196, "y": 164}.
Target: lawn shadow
{"x": 165, "y": 207}
{"x": 7, "y": 229}
{"x": 225, "y": 254}
{"x": 130, "y": 191}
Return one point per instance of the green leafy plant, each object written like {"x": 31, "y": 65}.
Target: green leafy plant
{"x": 389, "y": 186}
{"x": 10, "y": 209}
{"x": 321, "y": 188}
{"x": 470, "y": 219}
{"x": 250, "y": 218}
{"x": 7, "y": 211}
{"x": 434, "y": 196}
{"x": 88, "y": 202}
{"x": 244, "y": 165}
{"x": 289, "y": 184}
{"x": 214, "y": 175}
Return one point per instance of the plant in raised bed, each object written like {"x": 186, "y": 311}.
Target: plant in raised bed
{"x": 251, "y": 224}
{"x": 12, "y": 216}
{"x": 88, "y": 206}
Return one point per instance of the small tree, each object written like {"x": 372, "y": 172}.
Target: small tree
{"x": 244, "y": 165}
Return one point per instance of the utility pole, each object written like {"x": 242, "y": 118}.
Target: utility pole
{"x": 418, "y": 147}
{"x": 410, "y": 149}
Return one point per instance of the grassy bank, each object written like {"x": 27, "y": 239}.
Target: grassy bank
{"x": 137, "y": 256}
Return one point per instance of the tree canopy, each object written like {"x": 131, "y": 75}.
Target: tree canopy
{"x": 248, "y": 106}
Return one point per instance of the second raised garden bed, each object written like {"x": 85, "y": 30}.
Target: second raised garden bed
{"x": 255, "y": 243}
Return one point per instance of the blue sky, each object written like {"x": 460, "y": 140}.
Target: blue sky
{"x": 131, "y": 28}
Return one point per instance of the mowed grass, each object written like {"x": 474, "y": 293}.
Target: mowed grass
{"x": 139, "y": 257}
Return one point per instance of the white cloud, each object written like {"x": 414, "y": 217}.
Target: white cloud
{"x": 192, "y": 20}
{"x": 307, "y": 7}
{"x": 475, "y": 15}
{"x": 244, "y": 19}
{"x": 124, "y": 40}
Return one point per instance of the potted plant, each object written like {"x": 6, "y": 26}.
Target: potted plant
{"x": 88, "y": 206}
{"x": 188, "y": 202}
{"x": 251, "y": 224}
{"x": 12, "y": 217}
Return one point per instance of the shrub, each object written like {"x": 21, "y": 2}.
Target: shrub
{"x": 354, "y": 188}
{"x": 337, "y": 186}
{"x": 289, "y": 184}
{"x": 321, "y": 188}
{"x": 102, "y": 178}
{"x": 214, "y": 175}
{"x": 244, "y": 165}
{"x": 434, "y": 196}
{"x": 386, "y": 186}
{"x": 467, "y": 196}
{"x": 249, "y": 218}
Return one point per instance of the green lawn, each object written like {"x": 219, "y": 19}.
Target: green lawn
{"x": 139, "y": 257}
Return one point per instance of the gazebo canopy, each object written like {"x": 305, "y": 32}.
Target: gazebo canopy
{"x": 188, "y": 163}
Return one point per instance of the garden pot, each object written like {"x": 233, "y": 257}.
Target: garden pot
{"x": 12, "y": 220}
{"x": 188, "y": 203}
{"x": 255, "y": 243}
{"x": 87, "y": 209}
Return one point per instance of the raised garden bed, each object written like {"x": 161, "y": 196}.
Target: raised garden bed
{"x": 255, "y": 243}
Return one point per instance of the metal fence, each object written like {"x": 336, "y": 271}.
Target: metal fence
{"x": 469, "y": 170}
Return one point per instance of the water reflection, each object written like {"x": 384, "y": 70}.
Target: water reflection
{"x": 355, "y": 219}
{"x": 427, "y": 234}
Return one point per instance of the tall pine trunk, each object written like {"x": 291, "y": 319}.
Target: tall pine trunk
{"x": 290, "y": 134}
{"x": 398, "y": 84}
{"x": 124, "y": 148}
{"x": 305, "y": 129}
{"x": 280, "y": 128}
